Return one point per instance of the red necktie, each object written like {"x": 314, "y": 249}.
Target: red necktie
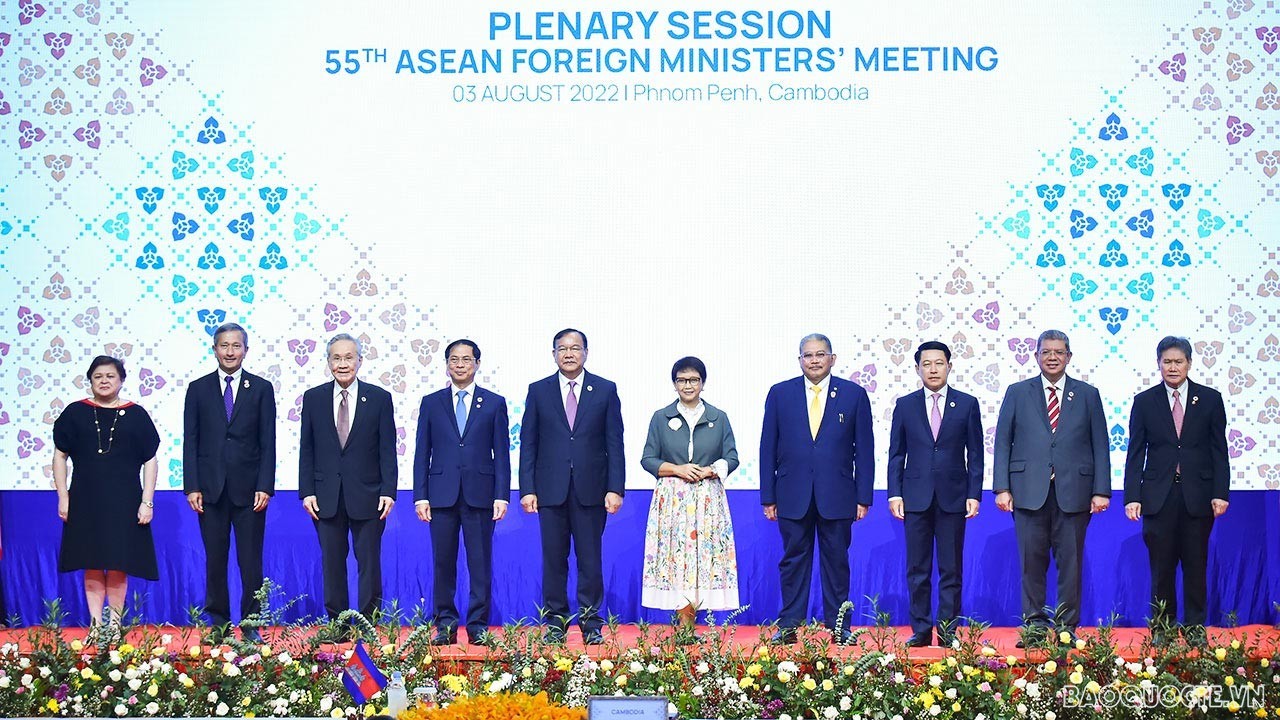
{"x": 1053, "y": 408}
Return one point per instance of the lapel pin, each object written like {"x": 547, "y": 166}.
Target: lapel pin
{"x": 122, "y": 412}
{"x": 833, "y": 393}
{"x": 952, "y": 403}
{"x": 1071, "y": 395}
{"x": 588, "y": 388}
{"x": 1195, "y": 399}
{"x": 479, "y": 399}
{"x": 841, "y": 417}
{"x": 245, "y": 385}
{"x": 674, "y": 423}
{"x": 364, "y": 399}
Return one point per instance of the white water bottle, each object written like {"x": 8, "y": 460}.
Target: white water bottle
{"x": 397, "y": 696}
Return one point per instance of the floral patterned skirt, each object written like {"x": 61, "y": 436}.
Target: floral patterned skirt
{"x": 689, "y": 556}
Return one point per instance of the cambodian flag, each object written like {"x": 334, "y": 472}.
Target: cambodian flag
{"x": 361, "y": 676}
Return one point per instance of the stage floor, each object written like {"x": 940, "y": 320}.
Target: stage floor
{"x": 1129, "y": 642}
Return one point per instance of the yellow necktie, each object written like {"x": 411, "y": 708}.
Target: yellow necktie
{"x": 815, "y": 411}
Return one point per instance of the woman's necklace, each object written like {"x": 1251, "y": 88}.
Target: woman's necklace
{"x": 111, "y": 434}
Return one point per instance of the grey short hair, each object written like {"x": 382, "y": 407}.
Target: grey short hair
{"x": 231, "y": 327}
{"x": 815, "y": 336}
{"x": 1053, "y": 335}
{"x": 1172, "y": 342}
{"x": 339, "y": 338}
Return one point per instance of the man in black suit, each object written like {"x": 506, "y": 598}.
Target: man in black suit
{"x": 347, "y": 474}
{"x": 461, "y": 481}
{"x": 1176, "y": 479}
{"x": 935, "y": 482}
{"x": 229, "y": 473}
{"x": 572, "y": 474}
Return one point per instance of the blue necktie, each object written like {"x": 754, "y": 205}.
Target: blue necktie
{"x": 228, "y": 399}
{"x": 460, "y": 411}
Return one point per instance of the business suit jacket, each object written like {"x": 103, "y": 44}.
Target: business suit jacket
{"x": 712, "y": 439}
{"x": 1156, "y": 450}
{"x": 472, "y": 467}
{"x": 365, "y": 469}
{"x": 836, "y": 470}
{"x": 591, "y": 452}
{"x": 235, "y": 457}
{"x": 949, "y": 468}
{"x": 1027, "y": 450}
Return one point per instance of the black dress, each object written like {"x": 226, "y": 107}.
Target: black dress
{"x": 102, "y": 530}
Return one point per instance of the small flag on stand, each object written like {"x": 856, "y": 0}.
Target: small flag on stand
{"x": 361, "y": 677}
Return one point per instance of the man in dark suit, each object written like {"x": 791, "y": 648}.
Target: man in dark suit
{"x": 817, "y": 465}
{"x": 229, "y": 473}
{"x": 571, "y": 474}
{"x": 461, "y": 480}
{"x": 347, "y": 474}
{"x": 1176, "y": 479}
{"x": 1052, "y": 471}
{"x": 935, "y": 482}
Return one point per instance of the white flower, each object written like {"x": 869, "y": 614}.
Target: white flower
{"x": 1022, "y": 709}
{"x": 114, "y": 675}
{"x": 935, "y": 710}
{"x": 1033, "y": 690}
{"x": 165, "y": 639}
{"x": 636, "y": 667}
{"x": 230, "y": 669}
{"x": 24, "y": 663}
{"x": 703, "y": 668}
{"x": 134, "y": 684}
{"x": 152, "y": 708}
{"x": 652, "y": 668}
{"x": 272, "y": 689}
{"x": 888, "y": 660}
{"x": 326, "y": 703}
{"x": 283, "y": 658}
{"x": 5, "y": 682}
{"x": 696, "y": 691}
{"x": 899, "y": 678}
{"x": 951, "y": 695}
{"x": 27, "y": 680}
{"x": 878, "y": 694}
{"x": 830, "y": 713}
{"x": 221, "y": 709}
{"x": 131, "y": 673}
{"x": 1050, "y": 715}
{"x": 45, "y": 672}
{"x": 845, "y": 703}
{"x": 788, "y": 667}
{"x": 121, "y": 710}
{"x": 213, "y": 696}
{"x": 935, "y": 681}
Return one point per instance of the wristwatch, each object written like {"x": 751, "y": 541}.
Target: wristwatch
{"x": 148, "y": 503}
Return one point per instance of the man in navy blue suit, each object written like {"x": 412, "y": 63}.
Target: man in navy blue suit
{"x": 817, "y": 464}
{"x": 229, "y": 473}
{"x": 1176, "y": 480}
{"x": 347, "y": 474}
{"x": 571, "y": 474}
{"x": 461, "y": 481}
{"x": 935, "y": 482}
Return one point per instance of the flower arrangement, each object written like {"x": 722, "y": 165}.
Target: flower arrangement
{"x": 167, "y": 672}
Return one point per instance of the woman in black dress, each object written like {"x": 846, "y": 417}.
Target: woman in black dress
{"x": 106, "y": 512}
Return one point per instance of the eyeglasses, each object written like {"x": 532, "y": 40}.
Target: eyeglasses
{"x": 572, "y": 349}
{"x": 815, "y": 356}
{"x": 467, "y": 360}
{"x": 688, "y": 382}
{"x": 1054, "y": 353}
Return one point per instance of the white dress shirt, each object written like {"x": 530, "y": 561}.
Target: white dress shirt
{"x": 1182, "y": 395}
{"x": 691, "y": 418}
{"x": 235, "y": 383}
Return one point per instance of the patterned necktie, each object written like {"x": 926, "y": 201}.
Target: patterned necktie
{"x": 460, "y": 411}
{"x": 815, "y": 411}
{"x": 229, "y": 399}
{"x": 1177, "y": 413}
{"x": 1053, "y": 408}
{"x": 571, "y": 404}
{"x": 935, "y": 417}
{"x": 344, "y": 421}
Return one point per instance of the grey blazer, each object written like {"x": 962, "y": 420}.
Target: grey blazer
{"x": 712, "y": 439}
{"x": 1027, "y": 451}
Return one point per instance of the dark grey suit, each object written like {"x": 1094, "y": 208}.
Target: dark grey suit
{"x": 1052, "y": 477}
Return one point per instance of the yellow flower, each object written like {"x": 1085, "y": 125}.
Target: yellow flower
{"x": 388, "y": 649}
{"x": 1093, "y": 687}
{"x": 1075, "y": 678}
{"x": 153, "y": 690}
{"x": 527, "y": 672}
{"x": 86, "y": 673}
{"x": 1235, "y": 644}
{"x": 1064, "y": 637}
{"x": 620, "y": 681}
{"x": 564, "y": 664}
{"x": 1233, "y": 706}
{"x": 848, "y": 670}
{"x": 1265, "y": 663}
{"x": 76, "y": 645}
{"x": 951, "y": 661}
{"x": 336, "y": 713}
{"x": 988, "y": 651}
{"x": 746, "y": 683}
{"x": 827, "y": 685}
{"x": 157, "y": 651}
{"x": 1228, "y": 681}
{"x": 1010, "y": 660}
{"x": 194, "y": 650}
{"x": 763, "y": 651}
{"x": 125, "y": 649}
{"x": 925, "y": 699}
{"x": 955, "y": 707}
{"x": 754, "y": 669}
{"x": 784, "y": 678}
{"x": 1049, "y": 667}
{"x": 1261, "y": 712}
{"x": 809, "y": 684}
{"x": 52, "y": 706}
{"x": 1220, "y": 653}
{"x": 606, "y": 665}
{"x": 1080, "y": 643}
{"x": 426, "y": 659}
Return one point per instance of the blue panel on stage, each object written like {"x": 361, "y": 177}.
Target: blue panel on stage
{"x": 1244, "y": 563}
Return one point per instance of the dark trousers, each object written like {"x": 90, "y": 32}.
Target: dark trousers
{"x": 796, "y": 566}
{"x": 924, "y": 530}
{"x": 476, "y": 526}
{"x": 1039, "y": 532}
{"x": 366, "y": 537}
{"x": 216, "y": 524}
{"x": 584, "y": 526}
{"x": 1173, "y": 536}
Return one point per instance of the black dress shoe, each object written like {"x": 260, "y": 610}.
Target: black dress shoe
{"x": 593, "y": 637}
{"x": 251, "y": 635}
{"x": 784, "y": 636}
{"x": 553, "y": 636}
{"x": 445, "y": 637}
{"x": 482, "y": 636}
{"x": 1031, "y": 638}
{"x": 920, "y": 639}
